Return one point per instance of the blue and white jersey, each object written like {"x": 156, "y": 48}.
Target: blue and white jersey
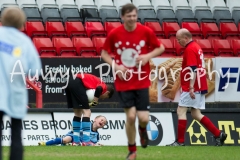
{"x": 94, "y": 136}
{"x": 18, "y": 59}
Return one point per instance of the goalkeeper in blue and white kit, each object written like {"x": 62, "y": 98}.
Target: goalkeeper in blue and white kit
{"x": 99, "y": 122}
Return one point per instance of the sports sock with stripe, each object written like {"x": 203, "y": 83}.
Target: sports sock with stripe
{"x": 86, "y": 127}
{"x": 132, "y": 147}
{"x": 76, "y": 129}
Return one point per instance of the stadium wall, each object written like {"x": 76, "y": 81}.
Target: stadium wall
{"x": 46, "y": 124}
{"x": 224, "y": 85}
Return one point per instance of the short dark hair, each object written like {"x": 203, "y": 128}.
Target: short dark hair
{"x": 128, "y": 8}
{"x": 110, "y": 89}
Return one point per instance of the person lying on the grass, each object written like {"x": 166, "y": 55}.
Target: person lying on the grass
{"x": 99, "y": 122}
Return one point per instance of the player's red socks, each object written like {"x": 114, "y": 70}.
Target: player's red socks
{"x": 132, "y": 147}
{"x": 182, "y": 125}
{"x": 210, "y": 126}
{"x": 142, "y": 129}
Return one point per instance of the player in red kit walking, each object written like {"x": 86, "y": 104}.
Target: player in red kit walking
{"x": 130, "y": 43}
{"x": 194, "y": 87}
{"x": 78, "y": 100}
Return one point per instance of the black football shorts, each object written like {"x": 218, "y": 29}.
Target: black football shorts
{"x": 76, "y": 94}
{"x": 135, "y": 98}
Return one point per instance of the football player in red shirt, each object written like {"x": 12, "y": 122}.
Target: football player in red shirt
{"x": 78, "y": 100}
{"x": 130, "y": 43}
{"x": 194, "y": 87}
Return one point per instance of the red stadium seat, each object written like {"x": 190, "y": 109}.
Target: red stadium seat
{"x": 193, "y": 28}
{"x": 235, "y": 45}
{"x": 35, "y": 29}
{"x": 170, "y": 29}
{"x": 169, "y": 49}
{"x": 179, "y": 49}
{"x": 98, "y": 42}
{"x": 94, "y": 29}
{"x": 210, "y": 30}
{"x": 206, "y": 46}
{"x": 222, "y": 46}
{"x": 64, "y": 47}
{"x": 108, "y": 26}
{"x": 55, "y": 29}
{"x": 156, "y": 27}
{"x": 229, "y": 30}
{"x": 84, "y": 46}
{"x": 75, "y": 29}
{"x": 44, "y": 47}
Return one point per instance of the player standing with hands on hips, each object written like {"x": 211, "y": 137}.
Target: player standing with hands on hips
{"x": 194, "y": 89}
{"x": 130, "y": 43}
{"x": 17, "y": 54}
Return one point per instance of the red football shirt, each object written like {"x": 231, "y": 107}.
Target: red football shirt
{"x": 126, "y": 47}
{"x": 92, "y": 82}
{"x": 193, "y": 56}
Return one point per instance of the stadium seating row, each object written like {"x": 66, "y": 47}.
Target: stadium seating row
{"x": 85, "y": 47}
{"x": 105, "y": 10}
{"x": 65, "y": 24}
{"x": 65, "y": 47}
{"x": 207, "y": 30}
{"x": 81, "y": 44}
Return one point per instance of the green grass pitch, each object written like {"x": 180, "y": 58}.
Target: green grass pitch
{"x": 119, "y": 153}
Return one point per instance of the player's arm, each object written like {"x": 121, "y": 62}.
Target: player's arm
{"x": 156, "y": 44}
{"x": 106, "y": 57}
{"x": 156, "y": 52}
{"x": 143, "y": 59}
{"x": 153, "y": 42}
{"x": 193, "y": 77}
{"x": 192, "y": 63}
{"x": 97, "y": 94}
{"x": 107, "y": 47}
{"x": 192, "y": 82}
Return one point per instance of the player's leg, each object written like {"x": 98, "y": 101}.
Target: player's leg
{"x": 80, "y": 101}
{"x": 76, "y": 93}
{"x": 66, "y": 140}
{"x": 131, "y": 131}
{"x": 142, "y": 105}
{"x": 16, "y": 151}
{"x": 182, "y": 125}
{"x": 56, "y": 141}
{"x": 130, "y": 128}
{"x": 86, "y": 128}
{"x": 77, "y": 117}
{"x": 197, "y": 115}
{"x": 184, "y": 102}
{"x": 76, "y": 124}
{"x": 1, "y": 118}
{"x": 127, "y": 101}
